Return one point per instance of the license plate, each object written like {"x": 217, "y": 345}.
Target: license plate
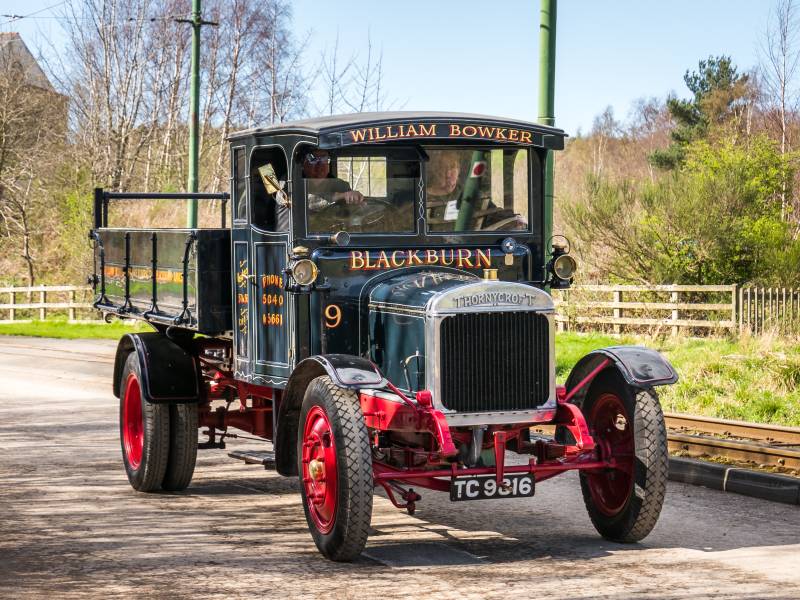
{"x": 484, "y": 487}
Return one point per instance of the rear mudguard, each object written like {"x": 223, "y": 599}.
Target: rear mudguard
{"x": 346, "y": 371}
{"x": 641, "y": 368}
{"x": 169, "y": 372}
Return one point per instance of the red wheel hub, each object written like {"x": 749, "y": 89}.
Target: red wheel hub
{"x": 612, "y": 429}
{"x": 132, "y": 422}
{"x": 319, "y": 475}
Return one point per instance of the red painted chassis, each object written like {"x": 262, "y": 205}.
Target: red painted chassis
{"x": 432, "y": 466}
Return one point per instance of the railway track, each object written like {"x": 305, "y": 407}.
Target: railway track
{"x": 736, "y": 441}
{"x": 767, "y": 445}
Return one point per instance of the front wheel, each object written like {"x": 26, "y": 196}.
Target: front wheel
{"x": 335, "y": 467}
{"x": 628, "y": 426}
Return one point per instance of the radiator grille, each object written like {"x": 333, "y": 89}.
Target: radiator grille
{"x": 494, "y": 361}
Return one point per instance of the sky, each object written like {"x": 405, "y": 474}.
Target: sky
{"x": 483, "y": 57}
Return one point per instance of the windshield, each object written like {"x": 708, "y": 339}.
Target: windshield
{"x": 361, "y": 192}
{"x": 477, "y": 189}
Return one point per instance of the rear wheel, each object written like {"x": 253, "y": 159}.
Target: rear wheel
{"x": 335, "y": 467}
{"x": 628, "y": 425}
{"x": 144, "y": 431}
{"x": 182, "y": 447}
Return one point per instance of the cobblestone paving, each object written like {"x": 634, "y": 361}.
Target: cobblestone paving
{"x": 72, "y": 527}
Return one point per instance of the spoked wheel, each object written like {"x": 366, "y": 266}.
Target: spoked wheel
{"x": 335, "y": 467}
{"x": 144, "y": 432}
{"x": 627, "y": 424}
{"x": 610, "y": 490}
{"x": 319, "y": 469}
{"x": 132, "y": 422}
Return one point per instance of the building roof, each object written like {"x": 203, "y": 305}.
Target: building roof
{"x": 12, "y": 48}
{"x": 329, "y": 126}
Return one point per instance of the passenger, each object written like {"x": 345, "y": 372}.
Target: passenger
{"x": 444, "y": 170}
{"x": 445, "y": 184}
{"x": 443, "y": 175}
{"x": 322, "y": 189}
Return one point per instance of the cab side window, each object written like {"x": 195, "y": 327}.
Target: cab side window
{"x": 268, "y": 182}
{"x": 239, "y": 162}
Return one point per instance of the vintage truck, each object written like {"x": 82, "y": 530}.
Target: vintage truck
{"x": 379, "y": 310}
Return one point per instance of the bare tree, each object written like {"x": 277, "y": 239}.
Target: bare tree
{"x": 604, "y": 129}
{"x": 649, "y": 128}
{"x": 32, "y": 123}
{"x": 169, "y": 45}
{"x": 235, "y": 29}
{"x": 334, "y": 73}
{"x": 780, "y": 61}
{"x": 287, "y": 83}
{"x": 108, "y": 52}
{"x": 353, "y": 85}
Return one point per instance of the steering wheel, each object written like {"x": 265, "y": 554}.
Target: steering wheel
{"x": 356, "y": 217}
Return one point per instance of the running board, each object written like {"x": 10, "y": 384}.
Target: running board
{"x": 255, "y": 457}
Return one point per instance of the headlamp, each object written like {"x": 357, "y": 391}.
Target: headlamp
{"x": 564, "y": 266}
{"x": 305, "y": 271}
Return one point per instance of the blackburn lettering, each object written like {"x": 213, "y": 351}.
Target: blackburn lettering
{"x": 460, "y": 258}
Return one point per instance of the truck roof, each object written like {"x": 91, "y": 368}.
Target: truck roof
{"x": 332, "y": 130}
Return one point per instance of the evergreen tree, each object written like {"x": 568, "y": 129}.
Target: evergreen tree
{"x": 717, "y": 89}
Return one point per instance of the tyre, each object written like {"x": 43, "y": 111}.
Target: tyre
{"x": 628, "y": 425}
{"x": 335, "y": 467}
{"x": 144, "y": 431}
{"x": 182, "y": 447}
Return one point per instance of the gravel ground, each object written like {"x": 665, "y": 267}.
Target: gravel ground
{"x": 72, "y": 527}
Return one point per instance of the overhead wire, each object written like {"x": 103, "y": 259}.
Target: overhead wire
{"x": 12, "y": 18}
{"x": 72, "y": 18}
{"x": 29, "y": 15}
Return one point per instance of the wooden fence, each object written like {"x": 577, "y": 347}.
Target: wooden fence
{"x": 693, "y": 308}
{"x": 769, "y": 309}
{"x": 696, "y": 308}
{"x": 26, "y": 303}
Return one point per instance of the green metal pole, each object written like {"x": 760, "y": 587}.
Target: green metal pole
{"x": 194, "y": 110}
{"x": 547, "y": 79}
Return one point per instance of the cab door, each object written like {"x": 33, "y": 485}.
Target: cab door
{"x": 272, "y": 307}
{"x": 242, "y": 275}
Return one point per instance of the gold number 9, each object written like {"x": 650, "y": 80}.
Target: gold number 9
{"x": 333, "y": 316}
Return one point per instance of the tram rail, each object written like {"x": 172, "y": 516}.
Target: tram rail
{"x": 771, "y": 434}
{"x": 739, "y": 441}
{"x": 757, "y": 444}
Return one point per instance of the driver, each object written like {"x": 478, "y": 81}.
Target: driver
{"x": 322, "y": 189}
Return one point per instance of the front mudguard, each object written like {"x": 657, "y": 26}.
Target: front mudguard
{"x": 346, "y": 371}
{"x": 640, "y": 367}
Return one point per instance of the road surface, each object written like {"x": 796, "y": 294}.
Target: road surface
{"x": 72, "y": 527}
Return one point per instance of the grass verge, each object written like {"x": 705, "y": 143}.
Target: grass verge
{"x": 750, "y": 379}
{"x": 62, "y": 329}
